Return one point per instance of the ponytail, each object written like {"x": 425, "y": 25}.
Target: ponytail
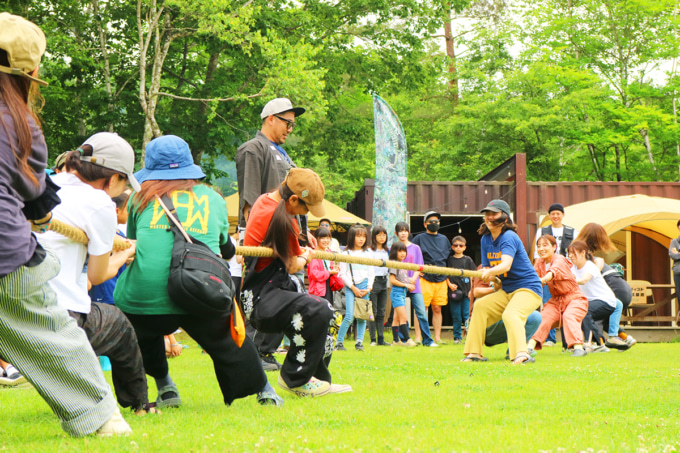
{"x": 281, "y": 228}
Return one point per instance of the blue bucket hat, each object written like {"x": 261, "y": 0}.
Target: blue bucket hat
{"x": 168, "y": 158}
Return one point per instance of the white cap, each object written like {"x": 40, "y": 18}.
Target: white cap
{"x": 112, "y": 151}
{"x": 280, "y": 105}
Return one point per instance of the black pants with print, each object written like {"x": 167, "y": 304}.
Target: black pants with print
{"x": 111, "y": 334}
{"x": 238, "y": 370}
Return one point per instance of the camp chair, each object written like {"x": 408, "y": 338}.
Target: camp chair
{"x": 643, "y": 297}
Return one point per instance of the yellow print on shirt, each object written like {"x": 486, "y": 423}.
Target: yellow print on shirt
{"x": 198, "y": 209}
{"x": 494, "y": 260}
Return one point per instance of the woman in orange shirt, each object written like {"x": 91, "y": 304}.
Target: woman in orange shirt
{"x": 568, "y": 305}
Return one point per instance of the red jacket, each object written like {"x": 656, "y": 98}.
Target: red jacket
{"x": 318, "y": 275}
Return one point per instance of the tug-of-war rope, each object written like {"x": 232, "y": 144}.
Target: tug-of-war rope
{"x": 79, "y": 236}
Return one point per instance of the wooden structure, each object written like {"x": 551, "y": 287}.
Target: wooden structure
{"x": 645, "y": 252}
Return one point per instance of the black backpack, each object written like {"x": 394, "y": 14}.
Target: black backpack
{"x": 199, "y": 280}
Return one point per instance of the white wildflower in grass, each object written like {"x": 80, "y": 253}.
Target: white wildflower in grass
{"x": 297, "y": 322}
{"x": 298, "y": 340}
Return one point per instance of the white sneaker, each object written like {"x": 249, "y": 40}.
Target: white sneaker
{"x": 315, "y": 387}
{"x": 433, "y": 345}
{"x": 549, "y": 344}
{"x": 630, "y": 341}
{"x": 340, "y": 388}
{"x": 114, "y": 425}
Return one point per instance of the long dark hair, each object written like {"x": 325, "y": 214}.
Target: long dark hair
{"x": 374, "y": 243}
{"x": 504, "y": 220}
{"x": 20, "y": 96}
{"x": 357, "y": 230}
{"x": 281, "y": 228}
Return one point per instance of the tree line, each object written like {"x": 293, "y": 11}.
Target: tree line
{"x": 586, "y": 88}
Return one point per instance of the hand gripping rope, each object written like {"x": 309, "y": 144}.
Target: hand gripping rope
{"x": 79, "y": 236}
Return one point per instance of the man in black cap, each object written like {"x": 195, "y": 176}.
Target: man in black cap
{"x": 563, "y": 235}
{"x": 435, "y": 248}
{"x": 261, "y": 166}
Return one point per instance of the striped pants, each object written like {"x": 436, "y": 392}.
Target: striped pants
{"x": 46, "y": 345}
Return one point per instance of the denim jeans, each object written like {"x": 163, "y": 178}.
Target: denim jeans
{"x": 349, "y": 314}
{"x": 612, "y": 324}
{"x": 418, "y": 304}
{"x": 460, "y": 312}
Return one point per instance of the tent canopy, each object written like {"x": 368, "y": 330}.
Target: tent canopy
{"x": 615, "y": 214}
{"x": 341, "y": 219}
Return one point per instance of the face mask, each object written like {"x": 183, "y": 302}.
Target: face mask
{"x": 432, "y": 227}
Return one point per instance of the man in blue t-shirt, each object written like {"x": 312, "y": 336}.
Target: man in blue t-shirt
{"x": 435, "y": 248}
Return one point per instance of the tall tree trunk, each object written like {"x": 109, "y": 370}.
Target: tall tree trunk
{"x": 451, "y": 53}
{"x": 618, "y": 162}
{"x": 645, "y": 136}
{"x": 105, "y": 56}
{"x": 203, "y": 109}
{"x": 596, "y": 165}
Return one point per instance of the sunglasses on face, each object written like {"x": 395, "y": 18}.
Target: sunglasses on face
{"x": 458, "y": 245}
{"x": 289, "y": 124}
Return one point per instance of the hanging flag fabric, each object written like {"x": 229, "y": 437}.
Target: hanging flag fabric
{"x": 389, "y": 196}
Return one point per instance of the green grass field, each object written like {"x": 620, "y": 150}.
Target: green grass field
{"x": 420, "y": 399}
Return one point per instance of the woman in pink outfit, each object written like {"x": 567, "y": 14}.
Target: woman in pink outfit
{"x": 568, "y": 305}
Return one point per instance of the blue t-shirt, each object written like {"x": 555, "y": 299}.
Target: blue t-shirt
{"x": 104, "y": 292}
{"x": 521, "y": 274}
{"x": 436, "y": 249}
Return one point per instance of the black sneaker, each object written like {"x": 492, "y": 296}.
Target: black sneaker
{"x": 340, "y": 347}
{"x": 383, "y": 343}
{"x": 359, "y": 347}
{"x": 269, "y": 362}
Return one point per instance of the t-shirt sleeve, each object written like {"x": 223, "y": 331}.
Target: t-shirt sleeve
{"x": 508, "y": 246}
{"x": 222, "y": 218}
{"x": 131, "y": 231}
{"x": 101, "y": 230}
{"x": 394, "y": 271}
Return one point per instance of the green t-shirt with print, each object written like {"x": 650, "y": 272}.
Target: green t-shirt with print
{"x": 142, "y": 288}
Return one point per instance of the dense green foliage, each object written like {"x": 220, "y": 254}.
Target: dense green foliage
{"x": 420, "y": 399}
{"x": 586, "y": 88}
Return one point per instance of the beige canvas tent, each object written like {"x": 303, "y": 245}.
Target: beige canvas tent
{"x": 341, "y": 219}
{"x": 654, "y": 217}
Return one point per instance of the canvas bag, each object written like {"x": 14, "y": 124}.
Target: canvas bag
{"x": 199, "y": 280}
{"x": 363, "y": 308}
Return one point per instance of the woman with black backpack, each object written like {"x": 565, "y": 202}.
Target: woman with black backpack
{"x": 142, "y": 290}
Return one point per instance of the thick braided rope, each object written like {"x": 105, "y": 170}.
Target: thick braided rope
{"x": 267, "y": 252}
{"x": 79, "y": 236}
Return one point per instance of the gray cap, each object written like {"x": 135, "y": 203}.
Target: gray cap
{"x": 497, "y": 206}
{"x": 112, "y": 151}
{"x": 431, "y": 213}
{"x": 280, "y": 105}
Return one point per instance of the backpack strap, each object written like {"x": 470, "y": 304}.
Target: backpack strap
{"x": 171, "y": 214}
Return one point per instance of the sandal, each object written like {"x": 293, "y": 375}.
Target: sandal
{"x": 475, "y": 359}
{"x": 146, "y": 408}
{"x": 523, "y": 358}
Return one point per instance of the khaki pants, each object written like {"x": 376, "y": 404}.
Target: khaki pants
{"x": 513, "y": 309}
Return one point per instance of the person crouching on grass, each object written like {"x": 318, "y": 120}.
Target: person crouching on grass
{"x": 503, "y": 256}
{"x": 567, "y": 306}
{"x": 271, "y": 299}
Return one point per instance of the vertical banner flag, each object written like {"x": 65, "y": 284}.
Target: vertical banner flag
{"x": 389, "y": 196}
